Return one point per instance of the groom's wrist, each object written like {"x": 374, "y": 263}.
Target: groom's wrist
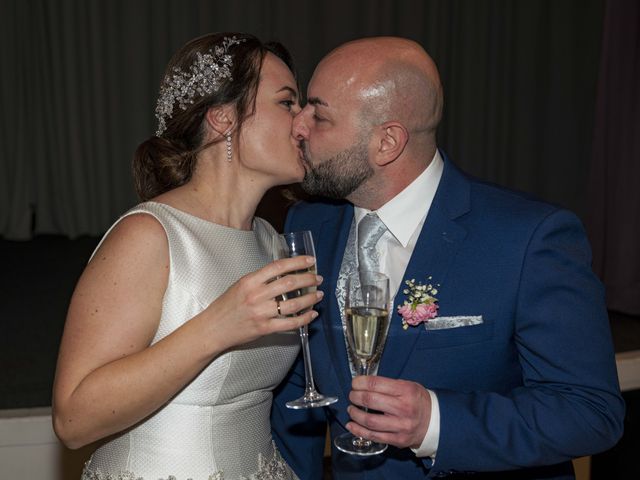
{"x": 429, "y": 445}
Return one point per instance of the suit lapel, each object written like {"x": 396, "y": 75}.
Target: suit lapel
{"x": 435, "y": 250}
{"x": 334, "y": 234}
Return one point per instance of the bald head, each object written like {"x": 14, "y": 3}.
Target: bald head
{"x": 393, "y": 79}
{"x": 368, "y": 129}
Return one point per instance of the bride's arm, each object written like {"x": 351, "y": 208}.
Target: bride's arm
{"x": 108, "y": 376}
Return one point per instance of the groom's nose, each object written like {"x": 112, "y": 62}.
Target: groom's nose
{"x": 300, "y": 129}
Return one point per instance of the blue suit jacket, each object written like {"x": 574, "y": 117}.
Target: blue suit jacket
{"x": 530, "y": 388}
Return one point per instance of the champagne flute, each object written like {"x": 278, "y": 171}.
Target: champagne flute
{"x": 367, "y": 321}
{"x": 292, "y": 245}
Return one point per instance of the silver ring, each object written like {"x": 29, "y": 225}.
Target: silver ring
{"x": 278, "y": 307}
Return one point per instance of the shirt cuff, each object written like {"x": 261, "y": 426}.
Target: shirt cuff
{"x": 429, "y": 446}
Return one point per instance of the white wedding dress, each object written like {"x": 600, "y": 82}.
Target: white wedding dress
{"x": 217, "y": 427}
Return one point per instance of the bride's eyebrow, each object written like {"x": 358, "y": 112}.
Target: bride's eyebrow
{"x": 286, "y": 88}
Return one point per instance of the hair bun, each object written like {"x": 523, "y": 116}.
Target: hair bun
{"x": 160, "y": 164}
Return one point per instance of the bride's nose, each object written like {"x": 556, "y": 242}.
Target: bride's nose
{"x": 300, "y": 130}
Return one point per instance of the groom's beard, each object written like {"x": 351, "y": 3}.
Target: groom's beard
{"x": 338, "y": 176}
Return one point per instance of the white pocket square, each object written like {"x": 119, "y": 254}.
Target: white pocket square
{"x": 440, "y": 323}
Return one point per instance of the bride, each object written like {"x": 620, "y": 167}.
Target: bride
{"x": 174, "y": 337}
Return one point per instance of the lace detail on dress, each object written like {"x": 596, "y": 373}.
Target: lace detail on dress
{"x": 98, "y": 475}
{"x": 273, "y": 469}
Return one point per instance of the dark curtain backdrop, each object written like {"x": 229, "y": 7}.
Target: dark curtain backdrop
{"x": 614, "y": 200}
{"x": 79, "y": 82}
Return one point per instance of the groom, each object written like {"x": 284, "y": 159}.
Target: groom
{"x": 516, "y": 373}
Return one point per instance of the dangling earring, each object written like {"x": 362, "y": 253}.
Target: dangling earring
{"x": 229, "y": 153}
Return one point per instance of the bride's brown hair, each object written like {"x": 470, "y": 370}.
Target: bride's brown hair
{"x": 164, "y": 162}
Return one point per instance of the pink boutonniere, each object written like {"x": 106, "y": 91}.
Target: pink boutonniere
{"x": 420, "y": 305}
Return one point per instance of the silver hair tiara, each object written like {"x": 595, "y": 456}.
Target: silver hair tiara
{"x": 204, "y": 77}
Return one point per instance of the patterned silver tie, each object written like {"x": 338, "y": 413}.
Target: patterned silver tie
{"x": 370, "y": 229}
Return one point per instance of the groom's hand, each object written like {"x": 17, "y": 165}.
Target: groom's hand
{"x": 405, "y": 411}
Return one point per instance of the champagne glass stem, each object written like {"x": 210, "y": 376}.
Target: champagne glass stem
{"x": 306, "y": 356}
{"x": 291, "y": 245}
{"x": 363, "y": 369}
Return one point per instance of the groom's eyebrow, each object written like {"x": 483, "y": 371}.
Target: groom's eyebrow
{"x": 317, "y": 101}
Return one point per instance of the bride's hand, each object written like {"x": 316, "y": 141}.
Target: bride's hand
{"x": 253, "y": 306}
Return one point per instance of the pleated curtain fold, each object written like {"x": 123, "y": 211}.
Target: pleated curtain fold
{"x": 79, "y": 82}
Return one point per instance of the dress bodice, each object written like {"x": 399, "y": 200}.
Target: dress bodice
{"x": 217, "y": 426}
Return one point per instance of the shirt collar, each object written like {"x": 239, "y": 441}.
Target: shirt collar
{"x": 405, "y": 212}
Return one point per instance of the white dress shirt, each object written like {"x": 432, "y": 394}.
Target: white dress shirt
{"x": 404, "y": 215}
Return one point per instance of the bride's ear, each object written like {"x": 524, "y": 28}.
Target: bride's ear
{"x": 221, "y": 120}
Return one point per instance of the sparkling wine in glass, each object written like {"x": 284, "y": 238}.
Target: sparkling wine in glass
{"x": 291, "y": 245}
{"x": 367, "y": 322}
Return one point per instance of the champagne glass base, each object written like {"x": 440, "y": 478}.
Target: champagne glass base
{"x": 347, "y": 443}
{"x": 311, "y": 400}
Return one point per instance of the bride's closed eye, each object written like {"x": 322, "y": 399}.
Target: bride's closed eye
{"x": 288, "y": 103}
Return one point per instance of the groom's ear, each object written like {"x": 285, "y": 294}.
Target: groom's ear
{"x": 221, "y": 120}
{"x": 391, "y": 139}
